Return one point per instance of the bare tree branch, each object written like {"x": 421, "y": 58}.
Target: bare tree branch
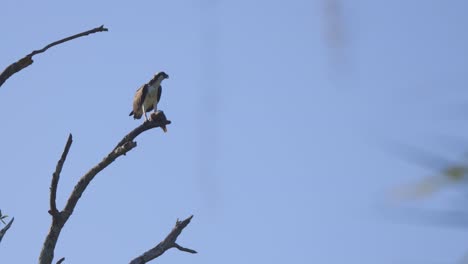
{"x": 27, "y": 60}
{"x": 59, "y": 220}
{"x": 56, "y": 176}
{"x": 184, "y": 249}
{"x": 159, "y": 117}
{"x": 167, "y": 243}
{"x": 5, "y": 229}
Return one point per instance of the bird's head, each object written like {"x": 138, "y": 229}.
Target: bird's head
{"x": 158, "y": 78}
{"x": 161, "y": 76}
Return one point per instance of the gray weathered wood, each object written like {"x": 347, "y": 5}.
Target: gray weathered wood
{"x": 5, "y": 229}
{"x": 27, "y": 60}
{"x": 59, "y": 218}
{"x": 167, "y": 243}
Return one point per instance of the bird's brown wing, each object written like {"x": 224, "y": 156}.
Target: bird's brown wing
{"x": 138, "y": 100}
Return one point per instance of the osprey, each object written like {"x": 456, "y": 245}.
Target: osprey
{"x": 147, "y": 97}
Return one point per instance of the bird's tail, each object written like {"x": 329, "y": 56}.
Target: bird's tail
{"x": 164, "y": 128}
{"x": 131, "y": 113}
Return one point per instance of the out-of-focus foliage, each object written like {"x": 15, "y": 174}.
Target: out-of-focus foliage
{"x": 454, "y": 174}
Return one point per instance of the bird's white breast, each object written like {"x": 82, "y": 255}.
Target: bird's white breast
{"x": 152, "y": 95}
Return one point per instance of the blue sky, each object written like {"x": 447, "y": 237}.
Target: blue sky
{"x": 279, "y": 142}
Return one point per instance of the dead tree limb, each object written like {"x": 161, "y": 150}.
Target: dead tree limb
{"x": 56, "y": 176}
{"x": 27, "y": 60}
{"x": 5, "y": 229}
{"x": 59, "y": 218}
{"x": 167, "y": 243}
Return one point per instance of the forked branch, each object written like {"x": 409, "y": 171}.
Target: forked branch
{"x": 167, "y": 243}
{"x": 56, "y": 176}
{"x": 59, "y": 218}
{"x": 5, "y": 229}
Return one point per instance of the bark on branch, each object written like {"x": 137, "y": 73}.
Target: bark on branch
{"x": 56, "y": 176}
{"x": 60, "y": 217}
{"x": 5, "y": 229}
{"x": 27, "y": 60}
{"x": 167, "y": 243}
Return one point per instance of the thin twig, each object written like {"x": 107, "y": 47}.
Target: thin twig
{"x": 56, "y": 176}
{"x": 5, "y": 229}
{"x": 27, "y": 60}
{"x": 125, "y": 145}
{"x": 181, "y": 248}
{"x": 82, "y": 34}
{"x": 167, "y": 243}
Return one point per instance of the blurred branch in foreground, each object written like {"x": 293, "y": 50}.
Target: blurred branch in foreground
{"x": 431, "y": 217}
{"x": 333, "y": 21}
{"x": 449, "y": 173}
{"x": 430, "y": 185}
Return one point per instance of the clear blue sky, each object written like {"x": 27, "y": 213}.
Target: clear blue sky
{"x": 279, "y": 134}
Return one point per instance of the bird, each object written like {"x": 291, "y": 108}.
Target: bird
{"x": 147, "y": 96}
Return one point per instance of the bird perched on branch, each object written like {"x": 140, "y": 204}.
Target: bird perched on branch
{"x": 147, "y": 97}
